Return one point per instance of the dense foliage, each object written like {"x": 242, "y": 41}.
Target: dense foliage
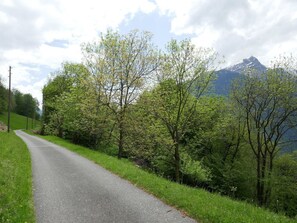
{"x": 129, "y": 99}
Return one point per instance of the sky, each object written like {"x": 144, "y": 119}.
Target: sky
{"x": 36, "y": 36}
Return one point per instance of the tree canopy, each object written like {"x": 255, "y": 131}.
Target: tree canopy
{"x": 155, "y": 107}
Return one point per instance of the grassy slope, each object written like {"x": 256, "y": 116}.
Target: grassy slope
{"x": 199, "y": 204}
{"x": 16, "y": 202}
{"x": 18, "y": 121}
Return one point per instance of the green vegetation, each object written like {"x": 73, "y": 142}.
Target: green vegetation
{"x": 19, "y": 121}
{"x": 197, "y": 203}
{"x": 22, "y": 104}
{"x": 155, "y": 107}
{"x": 3, "y": 96}
{"x": 268, "y": 104}
{"x": 25, "y": 104}
{"x": 16, "y": 200}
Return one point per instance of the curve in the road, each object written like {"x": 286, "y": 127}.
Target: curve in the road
{"x": 69, "y": 188}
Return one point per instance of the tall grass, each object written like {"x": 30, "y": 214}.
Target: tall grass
{"x": 16, "y": 202}
{"x": 197, "y": 203}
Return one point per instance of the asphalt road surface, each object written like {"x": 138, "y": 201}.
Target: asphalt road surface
{"x": 69, "y": 188}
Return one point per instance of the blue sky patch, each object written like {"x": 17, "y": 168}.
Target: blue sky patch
{"x": 60, "y": 43}
{"x": 155, "y": 23}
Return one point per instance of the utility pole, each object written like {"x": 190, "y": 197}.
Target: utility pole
{"x": 9, "y": 100}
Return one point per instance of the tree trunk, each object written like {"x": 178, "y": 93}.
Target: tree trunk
{"x": 121, "y": 135}
{"x": 263, "y": 176}
{"x": 262, "y": 188}
{"x": 121, "y": 119}
{"x": 121, "y": 142}
{"x": 268, "y": 186}
{"x": 177, "y": 163}
{"x": 60, "y": 132}
{"x": 259, "y": 180}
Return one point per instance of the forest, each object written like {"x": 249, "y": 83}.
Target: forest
{"x": 156, "y": 107}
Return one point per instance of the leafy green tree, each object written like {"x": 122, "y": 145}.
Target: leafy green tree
{"x": 215, "y": 136}
{"x": 121, "y": 66}
{"x": 61, "y": 82}
{"x": 19, "y": 107}
{"x": 29, "y": 105}
{"x": 268, "y": 104}
{"x": 148, "y": 142}
{"x": 85, "y": 119}
{"x": 150, "y": 145}
{"x": 184, "y": 76}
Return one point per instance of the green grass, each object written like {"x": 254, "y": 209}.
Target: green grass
{"x": 19, "y": 121}
{"x": 16, "y": 202}
{"x": 197, "y": 203}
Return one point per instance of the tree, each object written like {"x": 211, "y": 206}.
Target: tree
{"x": 60, "y": 83}
{"x": 148, "y": 142}
{"x": 268, "y": 104}
{"x": 85, "y": 119}
{"x": 29, "y": 107}
{"x": 185, "y": 74}
{"x": 121, "y": 66}
{"x": 150, "y": 145}
{"x": 215, "y": 136}
{"x": 19, "y": 102}
{"x": 3, "y": 97}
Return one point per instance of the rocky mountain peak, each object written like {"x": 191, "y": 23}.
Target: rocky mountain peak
{"x": 251, "y": 63}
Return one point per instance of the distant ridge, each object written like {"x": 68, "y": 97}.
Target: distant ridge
{"x": 225, "y": 76}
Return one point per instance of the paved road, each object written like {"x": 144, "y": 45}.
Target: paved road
{"x": 69, "y": 188}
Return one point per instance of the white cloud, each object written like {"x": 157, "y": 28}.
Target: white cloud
{"x": 27, "y": 28}
{"x": 237, "y": 28}
{"x": 31, "y": 30}
{"x": 34, "y": 89}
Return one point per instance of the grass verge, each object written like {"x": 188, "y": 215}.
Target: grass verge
{"x": 19, "y": 121}
{"x": 16, "y": 201}
{"x": 197, "y": 203}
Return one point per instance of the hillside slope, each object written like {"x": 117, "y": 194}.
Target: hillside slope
{"x": 19, "y": 121}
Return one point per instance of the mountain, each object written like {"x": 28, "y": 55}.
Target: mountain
{"x": 251, "y": 63}
{"x": 224, "y": 80}
{"x": 226, "y": 76}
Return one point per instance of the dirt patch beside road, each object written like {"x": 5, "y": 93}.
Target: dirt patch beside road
{"x": 3, "y": 127}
